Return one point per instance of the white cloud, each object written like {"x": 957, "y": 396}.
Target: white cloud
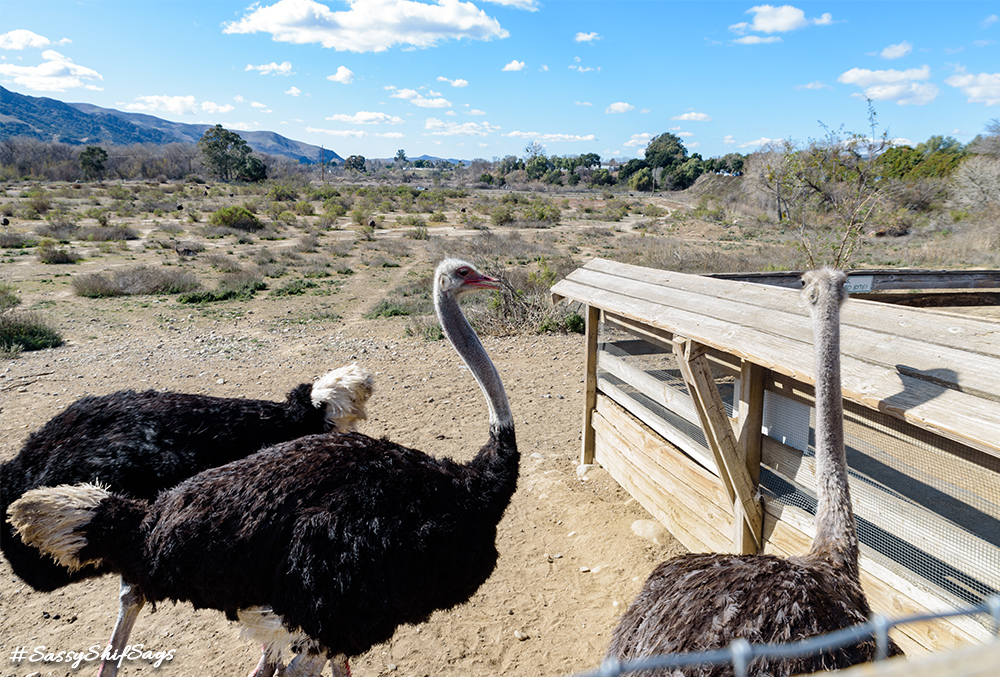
{"x": 813, "y": 85}
{"x": 584, "y": 69}
{"x": 904, "y": 87}
{"x": 391, "y": 135}
{"x": 56, "y": 73}
{"x": 215, "y": 108}
{"x": 530, "y": 5}
{"x": 583, "y": 103}
{"x": 293, "y": 91}
{"x": 178, "y": 105}
{"x": 757, "y": 40}
{"x": 514, "y": 65}
{"x": 981, "y": 88}
{"x": 639, "y": 140}
{"x": 437, "y": 127}
{"x": 990, "y": 20}
{"x": 344, "y": 75}
{"x": 587, "y": 37}
{"x": 692, "y": 116}
{"x": 261, "y": 106}
{"x": 238, "y": 99}
{"x": 371, "y": 26}
{"x": 759, "y": 143}
{"x": 728, "y": 139}
{"x": 896, "y": 51}
{"x": 548, "y": 138}
{"x": 22, "y": 39}
{"x": 418, "y": 99}
{"x": 619, "y": 107}
{"x": 476, "y": 111}
{"x": 284, "y": 68}
{"x": 363, "y": 117}
{"x": 454, "y": 83}
{"x": 343, "y": 133}
{"x": 769, "y": 19}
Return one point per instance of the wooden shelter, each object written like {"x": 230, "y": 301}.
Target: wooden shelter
{"x": 699, "y": 397}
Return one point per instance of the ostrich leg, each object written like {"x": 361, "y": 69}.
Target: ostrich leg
{"x": 130, "y": 603}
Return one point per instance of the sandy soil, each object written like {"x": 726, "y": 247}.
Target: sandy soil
{"x": 569, "y": 558}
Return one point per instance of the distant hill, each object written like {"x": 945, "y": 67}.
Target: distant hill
{"x": 83, "y": 123}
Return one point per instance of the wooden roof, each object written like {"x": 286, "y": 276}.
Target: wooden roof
{"x": 935, "y": 370}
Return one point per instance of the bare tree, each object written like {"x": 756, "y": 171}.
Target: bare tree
{"x": 976, "y": 182}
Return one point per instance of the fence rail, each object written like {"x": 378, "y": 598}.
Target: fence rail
{"x": 740, "y": 653}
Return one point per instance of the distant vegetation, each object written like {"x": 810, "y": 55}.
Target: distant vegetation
{"x": 848, "y": 199}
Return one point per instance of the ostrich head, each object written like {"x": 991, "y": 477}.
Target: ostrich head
{"x": 455, "y": 277}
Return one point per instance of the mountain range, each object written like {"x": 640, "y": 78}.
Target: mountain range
{"x": 85, "y": 124}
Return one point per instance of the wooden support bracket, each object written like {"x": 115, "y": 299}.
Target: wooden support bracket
{"x": 590, "y": 387}
{"x": 721, "y": 440}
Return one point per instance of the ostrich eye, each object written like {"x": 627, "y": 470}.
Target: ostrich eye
{"x": 462, "y": 272}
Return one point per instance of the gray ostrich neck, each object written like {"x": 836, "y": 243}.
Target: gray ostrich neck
{"x": 470, "y": 348}
{"x": 836, "y": 536}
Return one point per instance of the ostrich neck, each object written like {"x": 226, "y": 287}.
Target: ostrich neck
{"x": 836, "y": 535}
{"x": 470, "y": 348}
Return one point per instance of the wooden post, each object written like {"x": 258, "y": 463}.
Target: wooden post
{"x": 721, "y": 439}
{"x": 750, "y": 419}
{"x": 590, "y": 384}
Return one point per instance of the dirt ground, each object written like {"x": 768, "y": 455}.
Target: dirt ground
{"x": 570, "y": 557}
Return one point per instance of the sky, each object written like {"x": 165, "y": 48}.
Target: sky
{"x": 486, "y": 78}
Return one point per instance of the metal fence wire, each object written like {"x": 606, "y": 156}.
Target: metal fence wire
{"x": 741, "y": 653}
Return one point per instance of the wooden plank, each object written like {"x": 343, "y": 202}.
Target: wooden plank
{"x": 980, "y": 335}
{"x": 592, "y": 324}
{"x": 663, "y": 458}
{"x": 883, "y": 280}
{"x": 959, "y": 415}
{"x": 979, "y": 660}
{"x": 719, "y": 432}
{"x": 675, "y": 436}
{"x": 609, "y": 452}
{"x": 750, "y": 420}
{"x": 656, "y": 390}
{"x": 673, "y": 489}
{"x": 924, "y": 529}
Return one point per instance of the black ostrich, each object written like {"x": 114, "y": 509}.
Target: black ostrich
{"x": 348, "y": 538}
{"x": 139, "y": 443}
{"x": 703, "y": 601}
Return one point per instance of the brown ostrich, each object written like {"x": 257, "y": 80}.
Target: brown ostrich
{"x": 699, "y": 602}
{"x": 348, "y": 538}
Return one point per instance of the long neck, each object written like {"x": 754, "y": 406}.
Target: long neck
{"x": 836, "y": 535}
{"x": 467, "y": 343}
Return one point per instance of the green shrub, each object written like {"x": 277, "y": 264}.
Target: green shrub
{"x": 23, "y": 330}
{"x": 294, "y": 288}
{"x": 236, "y": 217}
{"x": 48, "y": 252}
{"x": 241, "y": 286}
{"x": 282, "y": 194}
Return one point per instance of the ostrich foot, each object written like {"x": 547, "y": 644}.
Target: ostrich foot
{"x": 267, "y": 665}
{"x": 130, "y": 603}
{"x": 306, "y": 665}
{"x": 340, "y": 666}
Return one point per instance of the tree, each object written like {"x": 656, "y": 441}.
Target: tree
{"x": 537, "y": 166}
{"x": 355, "y": 162}
{"x": 665, "y": 150}
{"x": 226, "y": 153}
{"x": 642, "y": 180}
{"x": 401, "y": 157}
{"x": 589, "y": 160}
{"x": 533, "y": 150}
{"x": 630, "y": 168}
{"x": 253, "y": 170}
{"x": 92, "y": 159}
{"x": 976, "y": 182}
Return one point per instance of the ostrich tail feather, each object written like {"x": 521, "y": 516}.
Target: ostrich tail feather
{"x": 53, "y": 519}
{"x": 343, "y": 392}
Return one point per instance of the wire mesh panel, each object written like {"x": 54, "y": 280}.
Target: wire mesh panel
{"x": 927, "y": 507}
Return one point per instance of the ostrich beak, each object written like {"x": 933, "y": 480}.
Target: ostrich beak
{"x": 480, "y": 281}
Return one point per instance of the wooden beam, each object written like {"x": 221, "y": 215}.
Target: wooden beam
{"x": 593, "y": 318}
{"x": 719, "y": 433}
{"x": 749, "y": 422}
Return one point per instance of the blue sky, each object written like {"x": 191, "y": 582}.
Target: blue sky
{"x": 477, "y": 78}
